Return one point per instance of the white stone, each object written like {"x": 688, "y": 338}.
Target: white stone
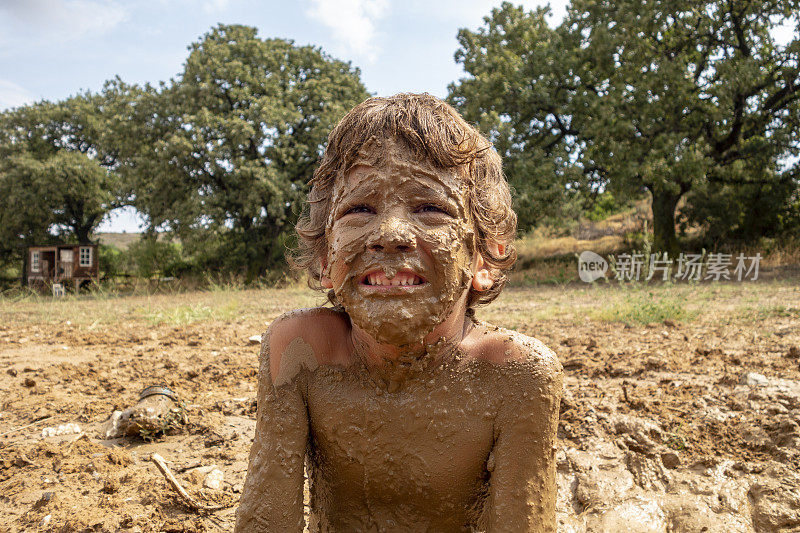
{"x": 214, "y": 479}
{"x": 754, "y": 379}
{"x": 255, "y": 339}
{"x": 64, "y": 429}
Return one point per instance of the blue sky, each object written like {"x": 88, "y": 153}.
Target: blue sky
{"x": 53, "y": 48}
{"x": 50, "y": 49}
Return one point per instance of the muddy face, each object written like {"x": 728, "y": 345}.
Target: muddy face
{"x": 400, "y": 243}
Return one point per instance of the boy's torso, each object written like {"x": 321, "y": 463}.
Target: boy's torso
{"x": 416, "y": 459}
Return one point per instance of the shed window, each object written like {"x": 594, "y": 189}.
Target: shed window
{"x": 36, "y": 266}
{"x": 86, "y": 256}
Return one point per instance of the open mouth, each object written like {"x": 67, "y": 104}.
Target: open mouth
{"x": 401, "y": 279}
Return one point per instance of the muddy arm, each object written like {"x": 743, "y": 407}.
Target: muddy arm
{"x": 272, "y": 497}
{"x": 522, "y": 490}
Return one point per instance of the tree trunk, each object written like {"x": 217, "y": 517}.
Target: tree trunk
{"x": 82, "y": 233}
{"x": 25, "y": 258}
{"x": 664, "y": 237}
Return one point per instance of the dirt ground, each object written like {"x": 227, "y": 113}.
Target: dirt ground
{"x": 681, "y": 409}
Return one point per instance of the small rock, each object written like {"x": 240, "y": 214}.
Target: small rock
{"x": 793, "y": 353}
{"x": 754, "y": 379}
{"x": 653, "y": 363}
{"x": 214, "y": 479}
{"x": 46, "y": 520}
{"x": 64, "y": 429}
{"x": 648, "y": 472}
{"x": 776, "y": 409}
{"x": 774, "y": 504}
{"x": 671, "y": 460}
{"x": 255, "y": 339}
{"x": 47, "y": 497}
{"x": 12, "y": 372}
{"x": 574, "y": 363}
{"x": 570, "y": 341}
{"x": 670, "y": 323}
{"x": 29, "y": 382}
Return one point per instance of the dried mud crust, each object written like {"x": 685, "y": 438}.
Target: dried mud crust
{"x": 661, "y": 427}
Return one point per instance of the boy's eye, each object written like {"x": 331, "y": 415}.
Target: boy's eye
{"x": 358, "y": 209}
{"x": 432, "y": 208}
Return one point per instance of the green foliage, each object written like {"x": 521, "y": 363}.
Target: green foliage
{"x": 636, "y": 95}
{"x": 56, "y": 180}
{"x": 237, "y": 137}
{"x": 151, "y": 256}
{"x": 743, "y": 212}
{"x": 516, "y": 95}
{"x": 644, "y": 307}
{"x": 606, "y": 205}
{"x": 111, "y": 260}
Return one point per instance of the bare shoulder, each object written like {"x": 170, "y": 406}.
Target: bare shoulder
{"x": 304, "y": 339}
{"x": 524, "y": 361}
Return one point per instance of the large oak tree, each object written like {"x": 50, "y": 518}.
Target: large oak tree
{"x": 56, "y": 180}
{"x": 238, "y": 135}
{"x": 660, "y": 95}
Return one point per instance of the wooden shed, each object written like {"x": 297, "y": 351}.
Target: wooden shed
{"x": 62, "y": 263}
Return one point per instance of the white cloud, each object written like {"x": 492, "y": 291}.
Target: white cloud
{"x": 787, "y": 31}
{"x": 470, "y": 13}
{"x": 213, "y": 6}
{"x": 352, "y": 23}
{"x": 60, "y": 20}
{"x": 13, "y": 95}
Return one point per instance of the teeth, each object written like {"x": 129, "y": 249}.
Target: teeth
{"x": 401, "y": 278}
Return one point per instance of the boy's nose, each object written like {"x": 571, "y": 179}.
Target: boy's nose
{"x": 393, "y": 235}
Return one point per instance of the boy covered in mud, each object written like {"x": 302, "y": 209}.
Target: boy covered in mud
{"x": 407, "y": 413}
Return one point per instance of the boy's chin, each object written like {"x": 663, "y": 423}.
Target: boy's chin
{"x": 395, "y": 325}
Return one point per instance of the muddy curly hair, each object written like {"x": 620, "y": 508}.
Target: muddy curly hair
{"x": 434, "y": 130}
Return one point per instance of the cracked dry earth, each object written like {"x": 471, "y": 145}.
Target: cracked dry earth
{"x": 676, "y": 426}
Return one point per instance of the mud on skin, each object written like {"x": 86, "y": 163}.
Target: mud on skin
{"x": 407, "y": 414}
{"x": 448, "y": 451}
{"x": 420, "y": 207}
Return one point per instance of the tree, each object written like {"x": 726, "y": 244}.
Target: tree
{"x": 246, "y": 123}
{"x": 659, "y": 95}
{"x": 516, "y": 93}
{"x": 54, "y": 178}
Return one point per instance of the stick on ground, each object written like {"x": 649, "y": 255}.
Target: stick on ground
{"x": 25, "y": 426}
{"x": 191, "y": 502}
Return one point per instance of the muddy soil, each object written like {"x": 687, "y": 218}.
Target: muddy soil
{"x": 667, "y": 427}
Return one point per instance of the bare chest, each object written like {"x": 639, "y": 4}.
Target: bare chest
{"x": 418, "y": 452}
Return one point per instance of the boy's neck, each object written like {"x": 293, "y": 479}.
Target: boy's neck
{"x": 393, "y": 364}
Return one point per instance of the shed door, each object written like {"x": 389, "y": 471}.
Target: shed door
{"x": 65, "y": 263}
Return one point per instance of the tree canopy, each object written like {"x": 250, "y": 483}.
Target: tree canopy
{"x": 55, "y": 178}
{"x": 642, "y": 94}
{"x": 220, "y": 155}
{"x": 238, "y": 135}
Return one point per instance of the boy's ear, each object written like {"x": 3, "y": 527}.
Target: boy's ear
{"x": 481, "y": 278}
{"x": 324, "y": 280}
